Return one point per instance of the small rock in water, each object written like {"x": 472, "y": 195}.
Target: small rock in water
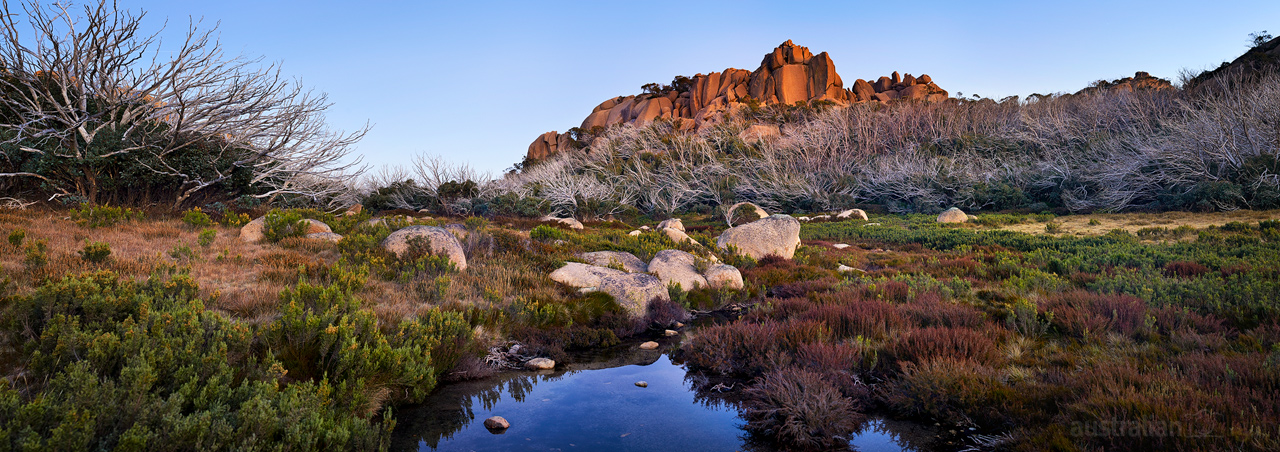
{"x": 670, "y": 332}
{"x": 651, "y": 345}
{"x": 496, "y": 423}
{"x": 540, "y": 364}
{"x": 642, "y": 384}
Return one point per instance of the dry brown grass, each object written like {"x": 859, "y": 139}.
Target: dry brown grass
{"x": 1132, "y": 222}
{"x": 230, "y": 272}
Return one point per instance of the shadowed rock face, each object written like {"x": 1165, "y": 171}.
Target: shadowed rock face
{"x": 788, "y": 74}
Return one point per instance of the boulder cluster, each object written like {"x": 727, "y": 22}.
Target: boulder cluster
{"x": 788, "y": 74}
{"x": 1141, "y": 81}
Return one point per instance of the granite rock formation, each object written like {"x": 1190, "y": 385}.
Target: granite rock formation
{"x": 787, "y": 75}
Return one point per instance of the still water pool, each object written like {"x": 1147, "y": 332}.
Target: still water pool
{"x": 597, "y": 406}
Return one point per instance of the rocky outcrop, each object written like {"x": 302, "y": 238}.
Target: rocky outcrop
{"x": 634, "y": 291}
{"x": 756, "y": 212}
{"x": 678, "y": 236}
{"x": 535, "y": 364}
{"x": 777, "y": 235}
{"x": 953, "y": 215}
{"x": 723, "y": 276}
{"x": 549, "y": 144}
{"x": 255, "y": 231}
{"x": 677, "y": 267}
{"x": 673, "y": 223}
{"x": 440, "y": 241}
{"x": 326, "y": 236}
{"x": 852, "y": 214}
{"x": 1141, "y": 81}
{"x": 787, "y": 75}
{"x": 496, "y": 423}
{"x": 1264, "y": 57}
{"x": 577, "y": 274}
{"x": 627, "y": 261}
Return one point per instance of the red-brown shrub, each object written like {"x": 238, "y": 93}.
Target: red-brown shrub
{"x": 1083, "y": 314}
{"x": 1185, "y": 269}
{"x": 751, "y": 349}
{"x": 800, "y": 409}
{"x": 804, "y": 288}
{"x": 963, "y": 266}
{"x": 951, "y": 390}
{"x": 929, "y": 309}
{"x": 944, "y": 342}
{"x": 865, "y": 318}
{"x": 841, "y": 364}
{"x": 895, "y": 291}
{"x": 1175, "y": 318}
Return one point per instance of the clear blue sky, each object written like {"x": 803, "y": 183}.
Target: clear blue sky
{"x": 477, "y": 81}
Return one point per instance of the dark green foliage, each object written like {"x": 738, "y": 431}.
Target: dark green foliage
{"x": 323, "y": 334}
{"x": 16, "y": 237}
{"x": 95, "y": 251}
{"x": 207, "y": 237}
{"x": 91, "y": 216}
{"x": 196, "y": 218}
{"x": 547, "y": 233}
{"x": 282, "y": 224}
{"x": 116, "y": 365}
{"x": 37, "y": 254}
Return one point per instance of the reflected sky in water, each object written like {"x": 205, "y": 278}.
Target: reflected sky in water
{"x": 597, "y": 409}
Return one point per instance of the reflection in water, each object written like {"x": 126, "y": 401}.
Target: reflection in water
{"x": 596, "y": 406}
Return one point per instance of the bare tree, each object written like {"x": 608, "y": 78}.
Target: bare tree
{"x": 90, "y": 90}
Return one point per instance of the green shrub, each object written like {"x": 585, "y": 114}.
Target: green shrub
{"x": 16, "y": 237}
{"x": 92, "y": 216}
{"x": 183, "y": 253}
{"x": 207, "y": 237}
{"x": 111, "y": 364}
{"x": 324, "y": 334}
{"x": 282, "y": 224}
{"x": 235, "y": 220}
{"x": 95, "y": 251}
{"x": 196, "y": 218}
{"x": 544, "y": 233}
{"x": 37, "y": 254}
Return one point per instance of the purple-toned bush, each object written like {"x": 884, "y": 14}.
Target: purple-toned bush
{"x": 857, "y": 317}
{"x": 800, "y": 409}
{"x": 944, "y": 342}
{"x": 751, "y": 349}
{"x": 1085, "y": 314}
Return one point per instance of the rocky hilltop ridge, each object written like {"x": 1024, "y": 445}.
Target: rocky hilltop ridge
{"x": 787, "y": 75}
{"x": 1261, "y": 58}
{"x": 1141, "y": 81}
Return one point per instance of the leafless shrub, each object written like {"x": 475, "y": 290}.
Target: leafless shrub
{"x": 1104, "y": 150}
{"x": 88, "y": 87}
